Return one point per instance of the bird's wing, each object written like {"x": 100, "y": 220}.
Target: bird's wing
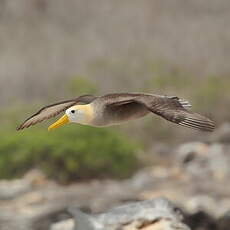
{"x": 53, "y": 110}
{"x": 171, "y": 108}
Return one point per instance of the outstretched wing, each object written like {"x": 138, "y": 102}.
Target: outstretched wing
{"x": 53, "y": 110}
{"x": 172, "y": 109}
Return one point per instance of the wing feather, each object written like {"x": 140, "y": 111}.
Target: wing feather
{"x": 53, "y": 110}
{"x": 174, "y": 109}
{"x": 170, "y": 108}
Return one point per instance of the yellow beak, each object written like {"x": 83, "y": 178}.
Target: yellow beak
{"x": 63, "y": 120}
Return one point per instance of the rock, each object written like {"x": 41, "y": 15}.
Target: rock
{"x": 162, "y": 224}
{"x": 196, "y": 181}
{"x": 188, "y": 151}
{"x": 13, "y": 188}
{"x": 191, "y": 157}
{"x": 219, "y": 161}
{"x": 203, "y": 160}
{"x": 46, "y": 204}
{"x": 141, "y": 179}
{"x": 63, "y": 225}
{"x": 200, "y": 220}
{"x": 36, "y": 177}
{"x": 224, "y": 221}
{"x": 157, "y": 214}
{"x": 203, "y": 203}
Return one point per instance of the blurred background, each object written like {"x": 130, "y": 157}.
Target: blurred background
{"x": 54, "y": 50}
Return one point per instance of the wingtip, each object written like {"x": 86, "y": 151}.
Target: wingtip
{"x": 18, "y": 128}
{"x": 205, "y": 125}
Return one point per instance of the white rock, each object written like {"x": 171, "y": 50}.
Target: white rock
{"x": 63, "y": 225}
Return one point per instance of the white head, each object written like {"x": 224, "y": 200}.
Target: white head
{"x": 76, "y": 114}
{"x": 81, "y": 114}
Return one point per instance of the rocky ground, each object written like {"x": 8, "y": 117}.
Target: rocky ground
{"x": 157, "y": 214}
{"x": 196, "y": 180}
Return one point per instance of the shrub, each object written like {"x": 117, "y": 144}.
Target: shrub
{"x": 69, "y": 153}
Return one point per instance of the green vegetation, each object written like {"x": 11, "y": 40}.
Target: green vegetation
{"x": 70, "y": 153}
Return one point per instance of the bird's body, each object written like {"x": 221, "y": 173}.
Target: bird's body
{"x": 105, "y": 115}
{"x": 116, "y": 108}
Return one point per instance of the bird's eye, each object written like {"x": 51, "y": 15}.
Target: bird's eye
{"x": 72, "y": 111}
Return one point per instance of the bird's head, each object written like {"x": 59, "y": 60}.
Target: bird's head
{"x": 81, "y": 114}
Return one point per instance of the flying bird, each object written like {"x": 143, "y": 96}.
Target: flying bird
{"x": 115, "y": 108}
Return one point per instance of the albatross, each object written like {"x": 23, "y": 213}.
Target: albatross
{"x": 116, "y": 108}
